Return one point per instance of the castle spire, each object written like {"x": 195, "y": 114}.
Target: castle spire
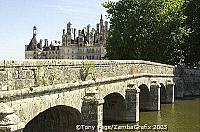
{"x": 101, "y": 17}
{"x": 101, "y": 24}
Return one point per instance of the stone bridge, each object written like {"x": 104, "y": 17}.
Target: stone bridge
{"x": 56, "y": 95}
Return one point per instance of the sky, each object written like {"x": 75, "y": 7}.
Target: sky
{"x": 17, "y": 18}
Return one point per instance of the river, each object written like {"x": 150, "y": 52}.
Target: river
{"x": 182, "y": 116}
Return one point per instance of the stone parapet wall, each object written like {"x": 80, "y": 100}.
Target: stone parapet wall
{"x": 192, "y": 71}
{"x": 33, "y": 73}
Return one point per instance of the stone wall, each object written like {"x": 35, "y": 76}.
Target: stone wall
{"x": 32, "y": 73}
{"x": 191, "y": 79}
{"x": 187, "y": 81}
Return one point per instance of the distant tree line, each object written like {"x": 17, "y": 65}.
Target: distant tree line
{"x": 162, "y": 31}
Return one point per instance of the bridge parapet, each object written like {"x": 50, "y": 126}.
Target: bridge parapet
{"x": 33, "y": 73}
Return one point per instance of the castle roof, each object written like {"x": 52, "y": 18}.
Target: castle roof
{"x": 33, "y": 41}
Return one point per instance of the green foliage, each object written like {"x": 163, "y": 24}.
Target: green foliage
{"x": 45, "y": 77}
{"x": 87, "y": 69}
{"x": 146, "y": 29}
{"x": 133, "y": 69}
{"x": 38, "y": 75}
{"x": 192, "y": 44}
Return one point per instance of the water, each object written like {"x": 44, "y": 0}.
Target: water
{"x": 182, "y": 116}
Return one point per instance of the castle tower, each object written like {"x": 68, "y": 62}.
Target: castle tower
{"x": 46, "y": 43}
{"x": 69, "y": 33}
{"x": 88, "y": 34}
{"x": 92, "y": 35}
{"x": 97, "y": 28}
{"x": 33, "y": 47}
{"x": 33, "y": 43}
{"x": 101, "y": 35}
{"x": 80, "y": 38}
{"x": 96, "y": 35}
{"x": 101, "y": 25}
{"x": 64, "y": 38}
{"x": 106, "y": 26}
{"x": 74, "y": 34}
{"x": 84, "y": 34}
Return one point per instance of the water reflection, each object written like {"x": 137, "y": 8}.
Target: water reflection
{"x": 159, "y": 117}
{"x": 182, "y": 116}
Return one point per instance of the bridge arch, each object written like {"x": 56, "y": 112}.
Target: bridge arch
{"x": 114, "y": 107}
{"x": 144, "y": 97}
{"x": 58, "y": 118}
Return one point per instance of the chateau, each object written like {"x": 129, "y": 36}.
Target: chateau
{"x": 76, "y": 44}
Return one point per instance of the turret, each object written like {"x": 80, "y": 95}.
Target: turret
{"x": 68, "y": 33}
{"x": 69, "y": 28}
{"x": 84, "y": 35}
{"x": 46, "y": 43}
{"x": 33, "y": 43}
{"x": 80, "y": 38}
{"x": 63, "y": 31}
{"x": 74, "y": 34}
{"x": 92, "y": 34}
{"x": 97, "y": 28}
{"x": 88, "y": 33}
{"x": 64, "y": 38}
{"x": 40, "y": 44}
{"x": 34, "y": 31}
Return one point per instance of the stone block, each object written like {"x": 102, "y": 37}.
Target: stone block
{"x": 19, "y": 83}
{"x": 3, "y": 86}
{"x": 3, "y": 76}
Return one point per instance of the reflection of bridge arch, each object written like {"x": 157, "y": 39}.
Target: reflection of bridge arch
{"x": 55, "y": 119}
{"x": 114, "y": 107}
{"x": 163, "y": 94}
{"x": 144, "y": 98}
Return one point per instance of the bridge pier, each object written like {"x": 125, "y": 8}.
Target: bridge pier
{"x": 170, "y": 92}
{"x": 92, "y": 112}
{"x": 132, "y": 103}
{"x": 9, "y": 121}
{"x": 179, "y": 88}
{"x": 155, "y": 96}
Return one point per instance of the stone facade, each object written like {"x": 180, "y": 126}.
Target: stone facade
{"x": 76, "y": 44}
{"x": 93, "y": 90}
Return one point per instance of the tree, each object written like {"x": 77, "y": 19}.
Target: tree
{"x": 192, "y": 43}
{"x": 146, "y": 29}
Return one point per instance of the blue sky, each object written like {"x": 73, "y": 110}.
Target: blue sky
{"x": 17, "y": 17}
